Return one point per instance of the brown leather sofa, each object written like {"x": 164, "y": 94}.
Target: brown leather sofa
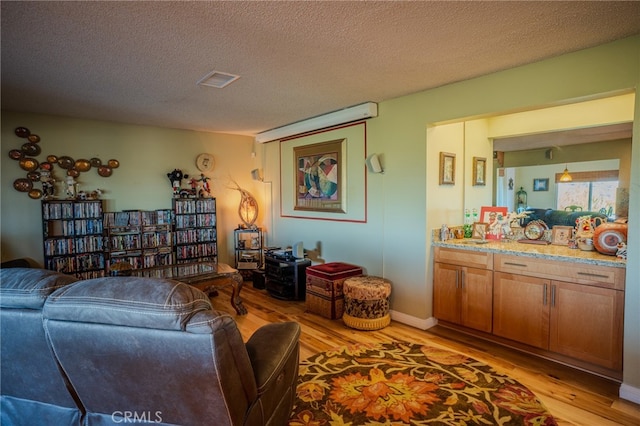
{"x": 139, "y": 350}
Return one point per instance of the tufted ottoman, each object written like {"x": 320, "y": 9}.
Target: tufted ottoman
{"x": 366, "y": 302}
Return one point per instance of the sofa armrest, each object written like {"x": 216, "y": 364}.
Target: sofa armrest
{"x": 274, "y": 351}
{"x": 269, "y": 349}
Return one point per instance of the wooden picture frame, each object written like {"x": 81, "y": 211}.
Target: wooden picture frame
{"x": 447, "y": 168}
{"x": 479, "y": 171}
{"x": 560, "y": 235}
{"x": 479, "y": 230}
{"x": 541, "y": 184}
{"x": 319, "y": 177}
{"x": 487, "y": 216}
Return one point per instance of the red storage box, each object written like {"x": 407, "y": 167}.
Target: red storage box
{"x": 324, "y": 288}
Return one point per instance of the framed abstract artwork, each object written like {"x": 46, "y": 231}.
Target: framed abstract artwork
{"x": 479, "y": 171}
{"x": 318, "y": 175}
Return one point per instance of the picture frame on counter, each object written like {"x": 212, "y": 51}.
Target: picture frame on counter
{"x": 560, "y": 235}
{"x": 479, "y": 230}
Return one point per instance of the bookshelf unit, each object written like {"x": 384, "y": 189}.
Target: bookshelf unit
{"x": 123, "y": 235}
{"x": 195, "y": 232}
{"x": 157, "y": 238}
{"x": 73, "y": 237}
{"x": 248, "y": 248}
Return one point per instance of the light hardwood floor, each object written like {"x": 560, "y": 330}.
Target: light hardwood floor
{"x": 572, "y": 396}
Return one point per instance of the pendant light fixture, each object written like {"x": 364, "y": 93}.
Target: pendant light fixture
{"x": 566, "y": 177}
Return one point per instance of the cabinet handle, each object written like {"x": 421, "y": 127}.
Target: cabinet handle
{"x": 515, "y": 264}
{"x": 588, "y": 274}
{"x": 544, "y": 295}
{"x": 553, "y": 296}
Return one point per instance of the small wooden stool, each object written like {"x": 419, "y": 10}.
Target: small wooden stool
{"x": 366, "y": 302}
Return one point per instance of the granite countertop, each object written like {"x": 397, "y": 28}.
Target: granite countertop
{"x": 552, "y": 252}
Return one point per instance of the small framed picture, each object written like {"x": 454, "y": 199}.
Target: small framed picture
{"x": 479, "y": 171}
{"x": 541, "y": 184}
{"x": 479, "y": 230}
{"x": 560, "y": 235}
{"x": 447, "y": 168}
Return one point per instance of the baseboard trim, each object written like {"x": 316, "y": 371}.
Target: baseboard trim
{"x": 422, "y": 324}
{"x": 630, "y": 393}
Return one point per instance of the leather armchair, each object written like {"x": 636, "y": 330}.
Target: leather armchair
{"x": 154, "y": 350}
{"x": 32, "y": 390}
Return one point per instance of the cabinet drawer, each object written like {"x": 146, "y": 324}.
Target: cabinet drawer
{"x": 580, "y": 273}
{"x": 474, "y": 259}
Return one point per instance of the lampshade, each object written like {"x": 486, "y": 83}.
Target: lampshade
{"x": 566, "y": 177}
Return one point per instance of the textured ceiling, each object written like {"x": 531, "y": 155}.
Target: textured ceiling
{"x": 138, "y": 62}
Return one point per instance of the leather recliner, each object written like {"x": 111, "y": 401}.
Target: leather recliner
{"x": 154, "y": 350}
{"x": 138, "y": 350}
{"x": 32, "y": 390}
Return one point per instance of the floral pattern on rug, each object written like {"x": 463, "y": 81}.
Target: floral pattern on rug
{"x": 405, "y": 383}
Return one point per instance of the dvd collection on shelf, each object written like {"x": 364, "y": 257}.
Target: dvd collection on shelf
{"x": 80, "y": 239}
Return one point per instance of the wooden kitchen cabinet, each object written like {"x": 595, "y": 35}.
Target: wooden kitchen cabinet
{"x": 521, "y": 309}
{"x": 586, "y": 323}
{"x": 582, "y": 319}
{"x": 568, "y": 311}
{"x": 461, "y": 294}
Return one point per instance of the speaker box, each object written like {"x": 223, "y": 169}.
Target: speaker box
{"x": 373, "y": 163}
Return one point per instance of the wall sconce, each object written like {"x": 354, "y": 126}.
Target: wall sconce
{"x": 566, "y": 177}
{"x": 256, "y": 174}
{"x": 373, "y": 163}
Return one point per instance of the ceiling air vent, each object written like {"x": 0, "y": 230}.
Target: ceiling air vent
{"x": 217, "y": 79}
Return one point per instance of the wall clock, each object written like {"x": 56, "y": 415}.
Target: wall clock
{"x": 204, "y": 162}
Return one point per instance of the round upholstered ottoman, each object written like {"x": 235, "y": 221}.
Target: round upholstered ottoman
{"x": 366, "y": 302}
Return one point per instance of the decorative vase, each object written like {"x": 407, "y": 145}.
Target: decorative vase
{"x": 607, "y": 236}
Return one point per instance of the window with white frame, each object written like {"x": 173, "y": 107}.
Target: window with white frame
{"x": 589, "y": 191}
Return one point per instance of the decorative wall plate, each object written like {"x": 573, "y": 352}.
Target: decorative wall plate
{"x": 23, "y": 185}
{"x": 29, "y": 164}
{"x": 114, "y": 164}
{"x": 205, "y": 162}
{"x": 31, "y": 149}
{"x": 105, "y": 171}
{"x": 33, "y": 138}
{"x": 82, "y": 165}
{"x": 33, "y": 176}
{"x": 35, "y": 193}
{"x": 66, "y": 162}
{"x": 46, "y": 166}
{"x": 73, "y": 173}
{"x": 96, "y": 162}
{"x": 22, "y": 132}
{"x": 52, "y": 158}
{"x": 16, "y": 154}
{"x": 607, "y": 236}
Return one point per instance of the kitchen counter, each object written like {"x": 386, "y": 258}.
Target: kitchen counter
{"x": 549, "y": 251}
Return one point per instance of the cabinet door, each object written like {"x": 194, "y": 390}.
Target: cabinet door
{"x": 446, "y": 301}
{"x": 476, "y": 298}
{"x": 586, "y": 323}
{"x": 521, "y": 308}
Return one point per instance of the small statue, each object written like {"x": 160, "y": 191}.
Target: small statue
{"x": 622, "y": 251}
{"x": 71, "y": 187}
{"x": 205, "y": 185}
{"x": 48, "y": 184}
{"x": 176, "y": 177}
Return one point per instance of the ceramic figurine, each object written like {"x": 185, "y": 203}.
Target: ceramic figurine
{"x": 622, "y": 251}
{"x": 48, "y": 184}
{"x": 176, "y": 177}
{"x": 71, "y": 187}
{"x": 205, "y": 185}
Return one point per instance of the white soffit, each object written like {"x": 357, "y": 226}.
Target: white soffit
{"x": 342, "y": 116}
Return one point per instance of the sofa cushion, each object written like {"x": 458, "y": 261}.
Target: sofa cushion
{"x": 28, "y": 288}
{"x": 128, "y": 301}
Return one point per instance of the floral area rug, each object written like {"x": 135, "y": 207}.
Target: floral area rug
{"x": 404, "y": 383}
